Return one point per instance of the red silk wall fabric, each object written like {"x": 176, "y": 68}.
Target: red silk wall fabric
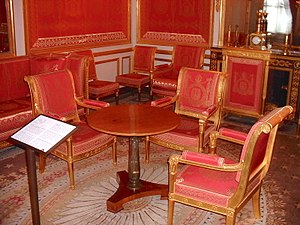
{"x": 68, "y": 18}
{"x": 160, "y": 19}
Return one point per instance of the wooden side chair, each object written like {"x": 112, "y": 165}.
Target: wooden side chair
{"x": 165, "y": 77}
{"x": 219, "y": 184}
{"x": 198, "y": 101}
{"x": 142, "y": 68}
{"x": 98, "y": 88}
{"x": 53, "y": 94}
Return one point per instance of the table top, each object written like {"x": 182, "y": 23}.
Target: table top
{"x": 133, "y": 120}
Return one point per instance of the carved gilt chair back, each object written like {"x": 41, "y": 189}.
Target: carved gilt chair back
{"x": 198, "y": 101}
{"x": 165, "y": 78}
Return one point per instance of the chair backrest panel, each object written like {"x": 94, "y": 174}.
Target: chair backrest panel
{"x": 78, "y": 65}
{"x": 259, "y": 151}
{"x": 92, "y": 74}
{"x": 53, "y": 94}
{"x": 197, "y": 90}
{"x": 186, "y": 56}
{"x": 260, "y": 141}
{"x": 143, "y": 58}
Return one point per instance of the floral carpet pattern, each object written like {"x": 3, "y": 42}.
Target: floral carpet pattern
{"x": 95, "y": 182}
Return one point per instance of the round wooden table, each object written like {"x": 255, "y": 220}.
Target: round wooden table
{"x": 133, "y": 121}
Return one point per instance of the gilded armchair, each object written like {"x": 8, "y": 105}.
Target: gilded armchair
{"x": 221, "y": 185}
{"x": 98, "y": 88}
{"x": 198, "y": 101}
{"x": 142, "y": 68}
{"x": 53, "y": 95}
{"x": 165, "y": 77}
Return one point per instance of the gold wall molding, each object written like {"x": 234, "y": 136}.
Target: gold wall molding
{"x": 79, "y": 39}
{"x": 218, "y": 5}
{"x": 174, "y": 37}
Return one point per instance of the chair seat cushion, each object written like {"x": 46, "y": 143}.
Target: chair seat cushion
{"x": 211, "y": 186}
{"x": 186, "y": 134}
{"x": 97, "y": 87}
{"x": 133, "y": 79}
{"x": 84, "y": 140}
{"x": 13, "y": 115}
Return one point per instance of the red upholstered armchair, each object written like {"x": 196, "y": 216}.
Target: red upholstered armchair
{"x": 165, "y": 77}
{"x": 221, "y": 185}
{"x": 53, "y": 95}
{"x": 98, "y": 88}
{"x": 142, "y": 68}
{"x": 198, "y": 101}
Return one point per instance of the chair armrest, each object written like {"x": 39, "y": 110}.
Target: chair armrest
{"x": 203, "y": 158}
{"x": 165, "y": 101}
{"x": 232, "y": 135}
{"x": 211, "y": 162}
{"x": 226, "y": 134}
{"x": 92, "y": 104}
{"x": 210, "y": 110}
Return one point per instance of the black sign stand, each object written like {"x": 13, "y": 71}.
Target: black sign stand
{"x": 31, "y": 138}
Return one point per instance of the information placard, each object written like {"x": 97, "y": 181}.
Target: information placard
{"x": 43, "y": 133}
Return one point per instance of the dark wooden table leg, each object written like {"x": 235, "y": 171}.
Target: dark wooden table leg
{"x": 130, "y": 185}
{"x": 134, "y": 164}
{"x": 33, "y": 189}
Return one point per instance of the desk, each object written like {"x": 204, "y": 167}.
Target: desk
{"x": 133, "y": 121}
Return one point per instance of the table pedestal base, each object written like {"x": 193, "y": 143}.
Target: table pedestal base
{"x": 125, "y": 194}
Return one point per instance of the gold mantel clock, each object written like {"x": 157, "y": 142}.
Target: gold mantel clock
{"x": 258, "y": 41}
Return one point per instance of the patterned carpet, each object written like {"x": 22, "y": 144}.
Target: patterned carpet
{"x": 95, "y": 182}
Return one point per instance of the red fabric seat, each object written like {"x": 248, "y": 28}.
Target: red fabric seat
{"x": 206, "y": 185}
{"x": 14, "y": 114}
{"x": 220, "y": 185}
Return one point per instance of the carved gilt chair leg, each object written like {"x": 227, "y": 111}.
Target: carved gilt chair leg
{"x": 201, "y": 135}
{"x": 171, "y": 205}
{"x": 70, "y": 163}
{"x": 71, "y": 175}
{"x": 256, "y": 204}
{"x": 42, "y": 163}
{"x": 230, "y": 219}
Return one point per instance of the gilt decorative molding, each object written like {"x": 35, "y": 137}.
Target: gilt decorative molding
{"x": 174, "y": 37}
{"x": 218, "y": 5}
{"x": 79, "y": 39}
